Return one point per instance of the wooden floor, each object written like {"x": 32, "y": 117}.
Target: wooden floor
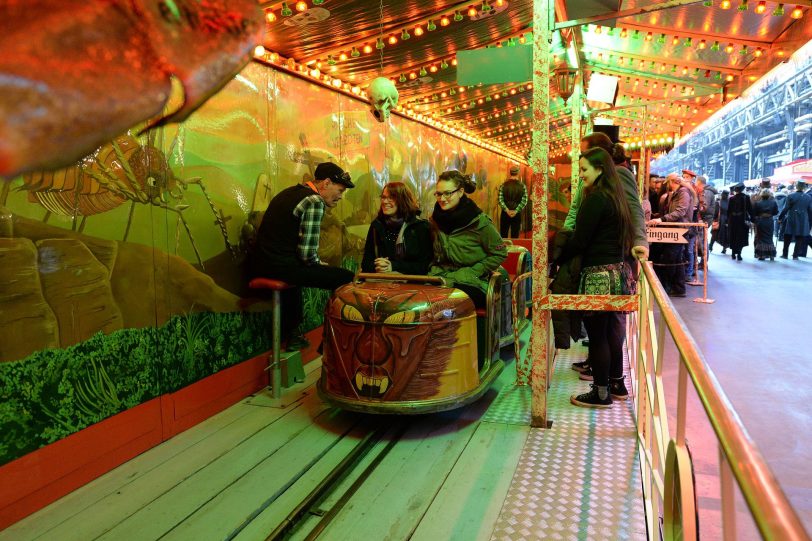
{"x": 239, "y": 475}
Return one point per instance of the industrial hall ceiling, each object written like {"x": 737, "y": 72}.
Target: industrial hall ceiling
{"x": 682, "y": 58}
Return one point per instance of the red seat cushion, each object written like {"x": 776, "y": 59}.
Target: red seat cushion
{"x": 267, "y": 283}
{"x": 511, "y": 263}
{"x": 526, "y": 243}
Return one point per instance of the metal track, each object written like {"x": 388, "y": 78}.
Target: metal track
{"x": 300, "y": 519}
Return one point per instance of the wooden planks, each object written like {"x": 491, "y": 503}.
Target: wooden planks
{"x": 469, "y": 502}
{"x": 178, "y": 500}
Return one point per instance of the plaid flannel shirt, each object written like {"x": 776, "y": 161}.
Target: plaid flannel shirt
{"x": 310, "y": 210}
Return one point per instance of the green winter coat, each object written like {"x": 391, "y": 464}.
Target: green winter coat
{"x": 469, "y": 254}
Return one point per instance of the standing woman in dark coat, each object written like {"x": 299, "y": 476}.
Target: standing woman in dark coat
{"x": 796, "y": 218}
{"x": 398, "y": 241}
{"x": 739, "y": 213}
{"x": 764, "y": 210}
{"x": 720, "y": 219}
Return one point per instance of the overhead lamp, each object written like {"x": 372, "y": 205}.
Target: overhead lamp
{"x": 457, "y": 16}
{"x": 689, "y": 42}
{"x": 286, "y": 11}
{"x": 761, "y": 7}
{"x": 623, "y": 33}
{"x": 431, "y": 27}
{"x": 797, "y": 12}
{"x": 444, "y": 64}
{"x": 729, "y": 48}
{"x": 743, "y": 5}
{"x": 675, "y": 40}
{"x": 758, "y": 52}
{"x": 402, "y": 78}
{"x": 715, "y": 46}
{"x": 367, "y": 48}
{"x": 444, "y": 20}
{"x": 649, "y": 36}
{"x": 708, "y": 3}
{"x": 418, "y": 31}
{"x": 701, "y": 44}
{"x": 743, "y": 50}
{"x": 661, "y": 39}
{"x": 779, "y": 10}
{"x": 392, "y": 40}
{"x": 724, "y": 4}
{"x": 423, "y": 72}
{"x": 485, "y": 7}
{"x": 564, "y": 81}
{"x": 355, "y": 53}
{"x": 379, "y": 44}
{"x": 405, "y": 35}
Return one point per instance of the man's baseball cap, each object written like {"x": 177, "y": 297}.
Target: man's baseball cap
{"x": 333, "y": 172}
{"x": 514, "y": 170}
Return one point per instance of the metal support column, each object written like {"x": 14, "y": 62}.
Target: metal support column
{"x": 543, "y": 15}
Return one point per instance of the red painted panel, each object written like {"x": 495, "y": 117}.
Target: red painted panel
{"x": 45, "y": 475}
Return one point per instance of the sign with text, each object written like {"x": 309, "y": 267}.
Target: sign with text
{"x": 670, "y": 235}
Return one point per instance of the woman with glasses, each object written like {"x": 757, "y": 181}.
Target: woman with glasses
{"x": 467, "y": 246}
{"x": 603, "y": 235}
{"x": 398, "y": 240}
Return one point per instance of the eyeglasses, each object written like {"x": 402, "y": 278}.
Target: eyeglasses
{"x": 440, "y": 195}
{"x": 387, "y": 198}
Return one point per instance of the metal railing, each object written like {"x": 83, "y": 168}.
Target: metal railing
{"x": 668, "y": 483}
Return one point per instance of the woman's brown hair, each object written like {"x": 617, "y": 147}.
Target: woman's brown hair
{"x": 452, "y": 175}
{"x": 403, "y": 198}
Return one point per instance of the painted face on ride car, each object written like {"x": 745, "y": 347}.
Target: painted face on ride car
{"x": 448, "y": 194}
{"x": 589, "y": 174}
{"x": 388, "y": 205}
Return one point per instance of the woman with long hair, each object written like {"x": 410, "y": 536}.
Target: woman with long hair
{"x": 604, "y": 234}
{"x": 467, "y": 246}
{"x": 398, "y": 240}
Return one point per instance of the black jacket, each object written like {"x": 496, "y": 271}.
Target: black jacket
{"x": 416, "y": 242}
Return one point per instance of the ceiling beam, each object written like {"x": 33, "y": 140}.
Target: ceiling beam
{"x": 664, "y": 60}
{"x": 611, "y": 15}
{"x": 708, "y": 37}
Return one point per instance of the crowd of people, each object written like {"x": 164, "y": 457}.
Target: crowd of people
{"x": 733, "y": 215}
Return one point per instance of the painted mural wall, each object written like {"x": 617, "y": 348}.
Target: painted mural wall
{"x": 121, "y": 277}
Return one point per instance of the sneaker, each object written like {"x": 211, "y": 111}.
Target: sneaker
{"x": 586, "y": 375}
{"x": 580, "y": 367}
{"x": 617, "y": 388}
{"x": 591, "y": 399}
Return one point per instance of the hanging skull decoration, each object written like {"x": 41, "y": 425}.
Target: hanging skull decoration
{"x": 383, "y": 97}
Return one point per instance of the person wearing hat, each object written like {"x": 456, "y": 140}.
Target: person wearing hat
{"x": 512, "y": 199}
{"x": 287, "y": 244}
{"x": 795, "y": 219}
{"x": 689, "y": 175}
{"x": 739, "y": 216}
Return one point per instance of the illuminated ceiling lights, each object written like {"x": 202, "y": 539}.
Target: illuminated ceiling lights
{"x": 761, "y": 7}
{"x": 779, "y": 10}
{"x": 724, "y": 4}
{"x": 797, "y": 12}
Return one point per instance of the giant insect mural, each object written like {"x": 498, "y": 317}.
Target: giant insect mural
{"x": 74, "y": 74}
{"x": 120, "y": 171}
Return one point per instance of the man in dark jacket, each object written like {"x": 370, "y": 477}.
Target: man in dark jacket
{"x": 512, "y": 199}
{"x": 287, "y": 242}
{"x": 678, "y": 208}
{"x": 707, "y": 210}
{"x": 797, "y": 217}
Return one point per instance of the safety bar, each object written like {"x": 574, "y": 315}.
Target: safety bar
{"x": 395, "y": 277}
{"x": 772, "y": 512}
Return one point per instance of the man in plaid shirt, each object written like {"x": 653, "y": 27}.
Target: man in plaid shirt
{"x": 287, "y": 243}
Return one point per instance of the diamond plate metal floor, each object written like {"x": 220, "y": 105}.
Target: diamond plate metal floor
{"x": 581, "y": 478}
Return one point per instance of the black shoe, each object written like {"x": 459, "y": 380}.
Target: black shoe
{"x": 739, "y": 257}
{"x": 617, "y": 388}
{"x": 724, "y": 250}
{"x": 591, "y": 399}
{"x": 586, "y": 375}
{"x": 733, "y": 257}
{"x": 784, "y": 257}
{"x": 580, "y": 367}
{"x": 795, "y": 258}
{"x": 297, "y": 342}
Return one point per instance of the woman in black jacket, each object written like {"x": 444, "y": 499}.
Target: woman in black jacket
{"x": 398, "y": 241}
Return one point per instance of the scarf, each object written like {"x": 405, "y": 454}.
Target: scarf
{"x": 452, "y": 219}
{"x": 393, "y": 229}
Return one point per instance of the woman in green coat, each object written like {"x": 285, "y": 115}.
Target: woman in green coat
{"x": 467, "y": 246}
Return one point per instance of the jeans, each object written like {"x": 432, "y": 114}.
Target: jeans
{"x": 510, "y": 225}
